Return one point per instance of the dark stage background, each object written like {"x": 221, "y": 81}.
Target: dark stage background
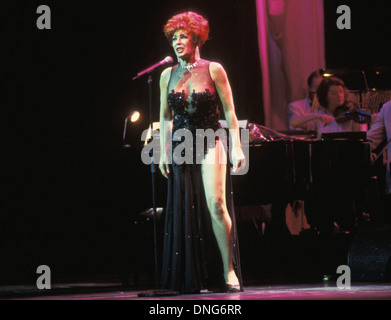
{"x": 71, "y": 193}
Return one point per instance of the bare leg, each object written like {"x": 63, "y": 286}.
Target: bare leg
{"x": 214, "y": 175}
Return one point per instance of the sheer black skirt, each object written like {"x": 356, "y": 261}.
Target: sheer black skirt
{"x": 191, "y": 257}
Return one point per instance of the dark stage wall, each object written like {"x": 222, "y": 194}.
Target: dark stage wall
{"x": 70, "y": 192}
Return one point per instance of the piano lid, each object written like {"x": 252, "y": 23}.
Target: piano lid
{"x": 260, "y": 134}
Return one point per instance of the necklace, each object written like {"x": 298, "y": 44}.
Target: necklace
{"x": 189, "y": 67}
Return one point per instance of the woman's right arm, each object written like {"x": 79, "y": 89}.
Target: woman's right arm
{"x": 301, "y": 121}
{"x": 165, "y": 123}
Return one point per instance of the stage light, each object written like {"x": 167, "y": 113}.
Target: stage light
{"x": 135, "y": 116}
{"x": 132, "y": 129}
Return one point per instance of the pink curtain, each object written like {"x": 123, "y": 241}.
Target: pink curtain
{"x": 291, "y": 42}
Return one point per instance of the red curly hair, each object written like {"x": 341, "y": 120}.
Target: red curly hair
{"x": 196, "y": 25}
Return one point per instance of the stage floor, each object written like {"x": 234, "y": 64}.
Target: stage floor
{"x": 113, "y": 291}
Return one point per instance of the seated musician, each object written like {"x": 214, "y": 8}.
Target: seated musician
{"x": 332, "y": 94}
{"x": 302, "y": 108}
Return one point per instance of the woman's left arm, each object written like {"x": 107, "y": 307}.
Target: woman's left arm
{"x": 224, "y": 90}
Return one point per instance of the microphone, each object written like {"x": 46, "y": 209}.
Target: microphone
{"x": 151, "y": 68}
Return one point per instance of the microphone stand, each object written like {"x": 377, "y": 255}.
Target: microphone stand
{"x": 124, "y": 134}
{"x": 156, "y": 292}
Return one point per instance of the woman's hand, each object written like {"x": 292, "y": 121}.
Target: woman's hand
{"x": 164, "y": 167}
{"x": 238, "y": 160}
{"x": 326, "y": 119}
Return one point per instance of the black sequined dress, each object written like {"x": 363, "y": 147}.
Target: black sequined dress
{"x": 191, "y": 257}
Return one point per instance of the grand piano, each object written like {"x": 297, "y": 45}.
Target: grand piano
{"x": 281, "y": 164}
{"x": 284, "y": 168}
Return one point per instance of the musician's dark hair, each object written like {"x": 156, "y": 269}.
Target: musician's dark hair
{"x": 313, "y": 75}
{"x": 324, "y": 88}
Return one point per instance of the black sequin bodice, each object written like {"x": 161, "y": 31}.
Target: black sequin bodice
{"x": 205, "y": 115}
{"x": 193, "y": 99}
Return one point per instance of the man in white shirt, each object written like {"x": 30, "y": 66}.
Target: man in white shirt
{"x": 379, "y": 133}
{"x": 302, "y": 107}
